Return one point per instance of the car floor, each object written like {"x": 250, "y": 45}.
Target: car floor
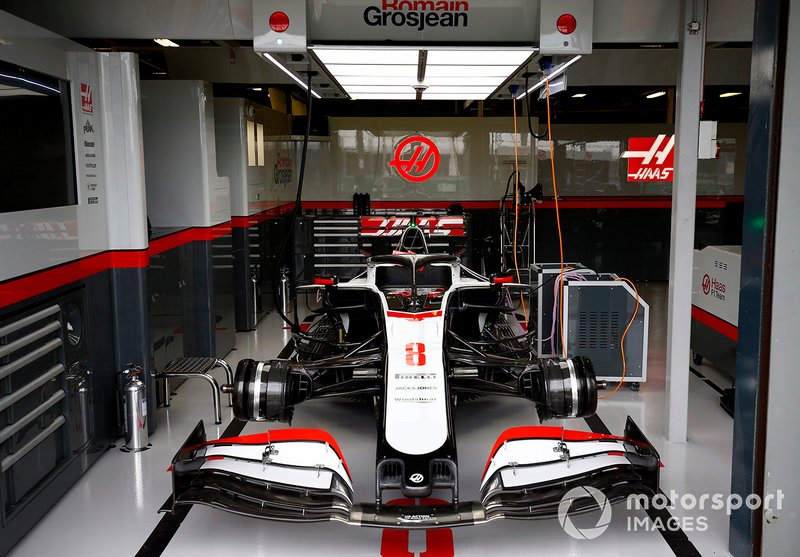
{"x": 113, "y": 509}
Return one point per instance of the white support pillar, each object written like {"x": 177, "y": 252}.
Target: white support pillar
{"x": 781, "y": 487}
{"x": 684, "y": 190}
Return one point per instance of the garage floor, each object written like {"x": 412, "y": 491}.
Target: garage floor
{"x": 112, "y": 510}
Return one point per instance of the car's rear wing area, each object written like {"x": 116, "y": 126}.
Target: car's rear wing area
{"x": 300, "y": 475}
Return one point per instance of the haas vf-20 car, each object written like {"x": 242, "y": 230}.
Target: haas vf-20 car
{"x": 414, "y": 334}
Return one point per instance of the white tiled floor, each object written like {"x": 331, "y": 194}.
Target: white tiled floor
{"x": 113, "y": 508}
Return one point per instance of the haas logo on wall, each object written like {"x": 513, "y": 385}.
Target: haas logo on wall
{"x": 416, "y": 158}
{"x": 282, "y": 171}
{"x": 86, "y": 98}
{"x": 650, "y": 159}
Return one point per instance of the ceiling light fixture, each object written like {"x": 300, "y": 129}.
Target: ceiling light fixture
{"x": 285, "y": 70}
{"x": 656, "y": 94}
{"x": 166, "y": 43}
{"x": 578, "y": 95}
{"x": 730, "y": 94}
{"x": 255, "y": 88}
{"x": 449, "y": 73}
{"x": 553, "y": 74}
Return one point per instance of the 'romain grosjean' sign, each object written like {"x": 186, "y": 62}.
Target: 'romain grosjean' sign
{"x": 418, "y": 14}
{"x": 650, "y": 159}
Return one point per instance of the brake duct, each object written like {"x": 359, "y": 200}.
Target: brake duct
{"x": 300, "y": 475}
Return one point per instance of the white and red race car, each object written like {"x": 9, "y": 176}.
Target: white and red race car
{"x": 414, "y": 335}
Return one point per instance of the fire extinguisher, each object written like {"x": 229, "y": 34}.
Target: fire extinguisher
{"x": 134, "y": 404}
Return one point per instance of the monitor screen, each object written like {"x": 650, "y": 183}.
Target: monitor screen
{"x": 37, "y": 164}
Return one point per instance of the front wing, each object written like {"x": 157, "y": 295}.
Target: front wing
{"x": 300, "y": 475}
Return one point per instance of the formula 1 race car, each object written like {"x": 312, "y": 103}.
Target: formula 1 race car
{"x": 414, "y": 334}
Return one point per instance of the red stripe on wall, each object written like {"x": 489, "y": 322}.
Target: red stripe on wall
{"x": 601, "y": 202}
{"x": 21, "y": 288}
{"x": 714, "y": 322}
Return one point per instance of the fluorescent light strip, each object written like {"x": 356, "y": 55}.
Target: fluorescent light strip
{"x": 355, "y": 81}
{"x": 385, "y": 96}
{"x": 473, "y": 57}
{"x": 731, "y": 94}
{"x": 425, "y": 96}
{"x": 285, "y": 70}
{"x": 368, "y": 56}
{"x": 557, "y": 72}
{"x": 656, "y": 94}
{"x": 499, "y": 71}
{"x": 166, "y": 43}
{"x": 578, "y": 95}
{"x": 354, "y": 70}
{"x": 437, "y": 89}
{"x": 341, "y": 71}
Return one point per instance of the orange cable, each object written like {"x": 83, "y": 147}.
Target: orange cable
{"x": 516, "y": 203}
{"x": 558, "y": 224}
{"x": 622, "y": 341}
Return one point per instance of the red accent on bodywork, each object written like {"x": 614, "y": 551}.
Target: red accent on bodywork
{"x": 502, "y": 280}
{"x": 438, "y": 543}
{"x": 546, "y": 432}
{"x": 279, "y": 435}
{"x": 414, "y": 316}
{"x": 325, "y": 281}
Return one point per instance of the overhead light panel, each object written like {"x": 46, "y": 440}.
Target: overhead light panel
{"x": 578, "y": 95}
{"x": 255, "y": 88}
{"x": 166, "y": 43}
{"x": 553, "y": 74}
{"x": 656, "y": 94}
{"x": 476, "y": 57}
{"x": 730, "y": 94}
{"x": 449, "y": 73}
{"x": 285, "y": 70}
{"x": 367, "y": 56}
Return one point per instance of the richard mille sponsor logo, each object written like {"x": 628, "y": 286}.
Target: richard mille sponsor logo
{"x": 415, "y": 376}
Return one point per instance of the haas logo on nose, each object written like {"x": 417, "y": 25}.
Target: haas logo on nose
{"x": 416, "y": 478}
